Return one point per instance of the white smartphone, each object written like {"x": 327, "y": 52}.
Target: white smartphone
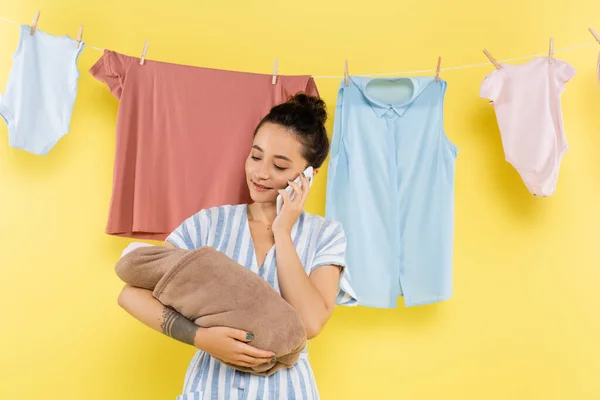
{"x": 308, "y": 173}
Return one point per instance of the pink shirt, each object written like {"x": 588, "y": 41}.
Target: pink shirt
{"x": 183, "y": 136}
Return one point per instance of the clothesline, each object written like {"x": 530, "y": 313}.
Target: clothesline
{"x": 417, "y": 71}
{"x": 433, "y": 70}
{"x": 10, "y": 21}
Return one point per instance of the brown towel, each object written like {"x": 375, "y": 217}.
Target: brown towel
{"x": 209, "y": 288}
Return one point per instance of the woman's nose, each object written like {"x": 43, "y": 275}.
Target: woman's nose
{"x": 262, "y": 173}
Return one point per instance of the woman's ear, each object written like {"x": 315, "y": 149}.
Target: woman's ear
{"x": 315, "y": 172}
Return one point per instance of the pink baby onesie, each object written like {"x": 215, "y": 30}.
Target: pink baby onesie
{"x": 526, "y": 99}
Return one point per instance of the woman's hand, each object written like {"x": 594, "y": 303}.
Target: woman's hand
{"x": 229, "y": 345}
{"x": 291, "y": 209}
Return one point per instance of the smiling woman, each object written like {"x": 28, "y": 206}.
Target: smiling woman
{"x": 301, "y": 255}
{"x": 268, "y": 166}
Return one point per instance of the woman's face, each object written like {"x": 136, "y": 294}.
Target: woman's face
{"x": 275, "y": 158}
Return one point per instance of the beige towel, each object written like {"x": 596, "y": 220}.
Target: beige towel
{"x": 209, "y": 288}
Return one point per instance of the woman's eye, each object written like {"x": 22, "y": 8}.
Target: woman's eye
{"x": 276, "y": 166}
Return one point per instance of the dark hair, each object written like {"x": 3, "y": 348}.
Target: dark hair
{"x": 305, "y": 116}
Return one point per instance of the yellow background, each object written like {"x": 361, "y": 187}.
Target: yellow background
{"x": 524, "y": 321}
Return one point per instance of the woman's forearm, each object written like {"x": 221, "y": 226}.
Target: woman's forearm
{"x": 297, "y": 288}
{"x": 140, "y": 304}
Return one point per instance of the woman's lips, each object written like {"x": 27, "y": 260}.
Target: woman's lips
{"x": 260, "y": 188}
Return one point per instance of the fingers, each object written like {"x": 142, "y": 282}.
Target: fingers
{"x": 240, "y": 335}
{"x": 242, "y": 364}
{"x": 285, "y": 195}
{"x": 254, "y": 362}
{"x": 297, "y": 190}
{"x": 305, "y": 186}
{"x": 301, "y": 192}
{"x": 254, "y": 352}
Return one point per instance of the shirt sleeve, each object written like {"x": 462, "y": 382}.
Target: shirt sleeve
{"x": 311, "y": 87}
{"x": 111, "y": 69}
{"x": 331, "y": 250}
{"x": 564, "y": 72}
{"x": 491, "y": 87}
{"x": 297, "y": 85}
{"x": 192, "y": 233}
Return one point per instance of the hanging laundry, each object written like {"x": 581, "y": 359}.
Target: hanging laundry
{"x": 183, "y": 136}
{"x": 40, "y": 94}
{"x": 527, "y": 103}
{"x": 391, "y": 185}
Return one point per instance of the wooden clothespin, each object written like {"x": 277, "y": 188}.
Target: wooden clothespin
{"x": 437, "y": 70}
{"x": 346, "y": 76}
{"x": 492, "y": 59}
{"x": 274, "y": 79}
{"x": 551, "y": 51}
{"x": 593, "y": 32}
{"x": 34, "y": 23}
{"x": 143, "y": 58}
{"x": 80, "y": 36}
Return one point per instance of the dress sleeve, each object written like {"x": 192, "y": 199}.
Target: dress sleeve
{"x": 192, "y": 233}
{"x": 331, "y": 250}
{"x": 111, "y": 69}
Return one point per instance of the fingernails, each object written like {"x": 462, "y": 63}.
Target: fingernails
{"x": 273, "y": 360}
{"x": 249, "y": 336}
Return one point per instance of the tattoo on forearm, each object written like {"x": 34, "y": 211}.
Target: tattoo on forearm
{"x": 178, "y": 327}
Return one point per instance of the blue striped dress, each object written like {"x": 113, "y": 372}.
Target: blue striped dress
{"x": 318, "y": 242}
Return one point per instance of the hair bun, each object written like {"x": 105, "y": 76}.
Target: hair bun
{"x": 303, "y": 116}
{"x": 311, "y": 103}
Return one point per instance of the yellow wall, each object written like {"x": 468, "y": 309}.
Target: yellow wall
{"x": 524, "y": 322}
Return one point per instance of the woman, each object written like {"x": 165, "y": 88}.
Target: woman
{"x": 301, "y": 255}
